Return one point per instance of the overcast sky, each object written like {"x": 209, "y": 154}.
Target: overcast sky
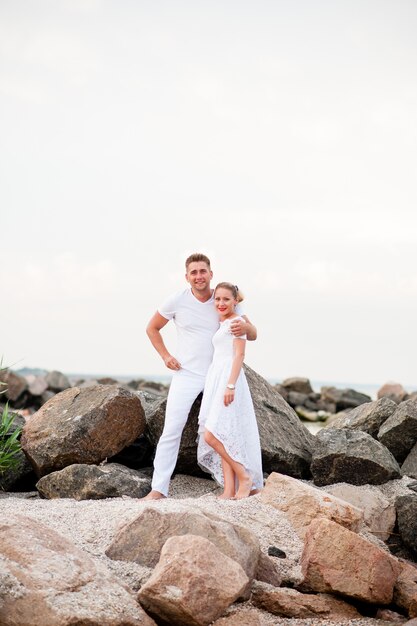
{"x": 279, "y": 137}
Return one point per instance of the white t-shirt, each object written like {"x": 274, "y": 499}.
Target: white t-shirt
{"x": 196, "y": 323}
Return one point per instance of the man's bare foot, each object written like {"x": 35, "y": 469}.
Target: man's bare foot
{"x": 244, "y": 488}
{"x": 154, "y": 495}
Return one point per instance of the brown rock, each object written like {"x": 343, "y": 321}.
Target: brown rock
{"x": 339, "y": 561}
{"x": 14, "y": 385}
{"x": 242, "y": 617}
{"x": 141, "y": 540}
{"x": 46, "y": 580}
{"x": 302, "y": 503}
{"x": 393, "y": 391}
{"x": 390, "y": 616}
{"x": 193, "y": 582}
{"x": 291, "y": 603}
{"x": 405, "y": 589}
{"x": 298, "y": 384}
{"x": 267, "y": 571}
{"x": 82, "y": 426}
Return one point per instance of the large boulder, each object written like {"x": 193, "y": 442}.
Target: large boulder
{"x": 82, "y": 426}
{"x": 394, "y": 391}
{"x": 286, "y": 602}
{"x": 351, "y": 457}
{"x": 193, "y": 583}
{"x": 379, "y": 513}
{"x": 367, "y": 417}
{"x": 343, "y": 398}
{"x": 302, "y": 503}
{"x": 399, "y": 432}
{"x": 285, "y": 442}
{"x": 409, "y": 467}
{"x": 142, "y": 539}
{"x": 93, "y": 482}
{"x": 407, "y": 520}
{"x": 337, "y": 560}
{"x": 405, "y": 590}
{"x": 47, "y": 580}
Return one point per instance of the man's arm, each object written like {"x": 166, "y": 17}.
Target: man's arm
{"x": 156, "y": 323}
{"x": 239, "y": 328}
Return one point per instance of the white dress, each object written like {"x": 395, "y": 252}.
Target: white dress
{"x": 234, "y": 425}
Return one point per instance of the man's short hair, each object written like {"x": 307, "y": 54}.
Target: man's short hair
{"x": 197, "y": 258}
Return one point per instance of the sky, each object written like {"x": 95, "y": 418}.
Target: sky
{"x": 279, "y": 137}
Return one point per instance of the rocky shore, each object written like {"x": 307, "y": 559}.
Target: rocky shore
{"x": 332, "y": 537}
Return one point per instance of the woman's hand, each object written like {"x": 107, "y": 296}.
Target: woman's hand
{"x": 172, "y": 363}
{"x": 229, "y": 396}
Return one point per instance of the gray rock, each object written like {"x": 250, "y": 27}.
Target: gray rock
{"x": 82, "y": 426}
{"x": 282, "y": 391}
{"x": 352, "y": 457}
{"x": 57, "y": 381}
{"x": 37, "y": 385}
{"x": 399, "y": 432}
{"x": 409, "y": 467}
{"x": 367, "y": 417}
{"x": 298, "y": 384}
{"x": 295, "y": 398}
{"x": 285, "y": 442}
{"x": 343, "y": 398}
{"x": 93, "y": 482}
{"x": 407, "y": 520}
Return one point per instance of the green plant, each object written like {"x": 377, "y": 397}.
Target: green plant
{"x": 9, "y": 442}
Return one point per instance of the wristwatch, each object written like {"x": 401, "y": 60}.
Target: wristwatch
{"x": 230, "y": 386}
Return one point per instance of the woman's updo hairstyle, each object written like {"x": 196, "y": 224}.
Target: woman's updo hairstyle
{"x": 234, "y": 289}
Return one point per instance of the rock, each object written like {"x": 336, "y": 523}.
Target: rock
{"x": 399, "y": 432}
{"x": 267, "y": 571}
{"x": 352, "y": 457}
{"x": 296, "y": 398}
{"x": 409, "y": 467}
{"x": 92, "y": 482}
{"x": 82, "y": 426}
{"x": 286, "y": 602}
{"x": 142, "y": 539}
{"x": 343, "y": 398}
{"x": 405, "y": 589}
{"x": 379, "y": 513}
{"x": 367, "y": 417}
{"x": 192, "y": 568}
{"x": 187, "y": 455}
{"x": 285, "y": 442}
{"x": 300, "y": 385}
{"x": 277, "y": 552}
{"x": 57, "y": 381}
{"x": 407, "y": 520}
{"x": 282, "y": 391}
{"x": 13, "y": 385}
{"x": 390, "y": 616}
{"x": 307, "y": 415}
{"x": 151, "y": 385}
{"x": 46, "y": 580}
{"x": 241, "y": 617}
{"x": 21, "y": 472}
{"x": 394, "y": 391}
{"x": 303, "y": 503}
{"x": 337, "y": 560}
{"x": 37, "y": 385}
{"x": 107, "y": 380}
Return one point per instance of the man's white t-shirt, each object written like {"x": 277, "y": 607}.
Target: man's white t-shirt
{"x": 196, "y": 323}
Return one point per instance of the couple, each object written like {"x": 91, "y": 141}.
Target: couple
{"x": 228, "y": 443}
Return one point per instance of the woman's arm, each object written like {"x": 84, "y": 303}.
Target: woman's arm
{"x": 239, "y": 355}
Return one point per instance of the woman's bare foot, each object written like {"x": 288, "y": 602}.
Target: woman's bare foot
{"x": 226, "y": 496}
{"x": 244, "y": 490}
{"x": 254, "y": 492}
{"x": 154, "y": 495}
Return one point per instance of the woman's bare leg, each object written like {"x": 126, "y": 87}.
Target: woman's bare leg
{"x": 229, "y": 481}
{"x": 245, "y": 481}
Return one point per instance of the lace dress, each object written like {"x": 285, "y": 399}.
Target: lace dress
{"x": 235, "y": 425}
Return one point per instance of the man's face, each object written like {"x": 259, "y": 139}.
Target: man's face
{"x": 199, "y": 275}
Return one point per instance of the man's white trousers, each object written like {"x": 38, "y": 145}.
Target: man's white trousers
{"x": 185, "y": 387}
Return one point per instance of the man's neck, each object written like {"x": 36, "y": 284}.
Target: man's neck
{"x": 202, "y": 296}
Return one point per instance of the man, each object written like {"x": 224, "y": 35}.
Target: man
{"x": 196, "y": 321}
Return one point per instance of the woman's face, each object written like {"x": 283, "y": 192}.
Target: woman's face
{"x": 224, "y": 302}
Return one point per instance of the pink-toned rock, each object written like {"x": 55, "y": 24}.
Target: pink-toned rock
{"x": 267, "y": 571}
{"x": 45, "y": 580}
{"x": 193, "y": 583}
{"x": 339, "y": 561}
{"x": 291, "y": 603}
{"x": 37, "y": 384}
{"x": 142, "y": 539}
{"x": 82, "y": 426}
{"x": 392, "y": 390}
{"x": 405, "y": 589}
{"x": 379, "y": 513}
{"x": 390, "y": 616}
{"x": 302, "y": 503}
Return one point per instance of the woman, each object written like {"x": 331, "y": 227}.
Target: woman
{"x": 228, "y": 444}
